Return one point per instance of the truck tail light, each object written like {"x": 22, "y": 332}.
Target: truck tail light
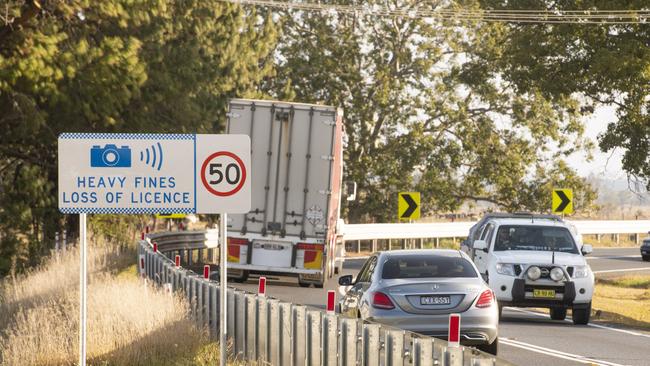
{"x": 313, "y": 255}
{"x": 235, "y": 249}
{"x": 381, "y": 301}
{"x": 486, "y": 299}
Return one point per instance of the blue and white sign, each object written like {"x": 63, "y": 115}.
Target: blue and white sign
{"x": 153, "y": 173}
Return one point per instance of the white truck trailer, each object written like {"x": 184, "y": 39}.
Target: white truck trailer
{"x": 296, "y": 172}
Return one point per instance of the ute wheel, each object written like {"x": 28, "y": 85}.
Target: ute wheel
{"x": 558, "y": 313}
{"x": 491, "y": 348}
{"x": 581, "y": 316}
{"x": 646, "y": 258}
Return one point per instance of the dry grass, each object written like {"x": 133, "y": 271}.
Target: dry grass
{"x": 624, "y": 300}
{"x": 609, "y": 241}
{"x": 126, "y": 325}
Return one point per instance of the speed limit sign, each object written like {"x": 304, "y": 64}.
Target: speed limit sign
{"x": 223, "y": 174}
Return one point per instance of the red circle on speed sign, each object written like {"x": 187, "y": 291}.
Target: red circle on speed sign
{"x": 239, "y": 164}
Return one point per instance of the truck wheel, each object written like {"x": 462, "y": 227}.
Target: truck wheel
{"x": 319, "y": 285}
{"x": 491, "y": 348}
{"x": 303, "y": 284}
{"x": 558, "y": 313}
{"x": 240, "y": 279}
{"x": 581, "y": 315}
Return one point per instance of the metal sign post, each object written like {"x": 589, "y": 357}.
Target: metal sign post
{"x": 223, "y": 283}
{"x": 83, "y": 281}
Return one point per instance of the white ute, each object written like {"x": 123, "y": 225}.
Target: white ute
{"x": 532, "y": 260}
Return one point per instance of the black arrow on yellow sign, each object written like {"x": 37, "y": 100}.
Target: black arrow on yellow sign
{"x": 408, "y": 207}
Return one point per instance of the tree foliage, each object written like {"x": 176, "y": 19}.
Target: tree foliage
{"x": 600, "y": 64}
{"x": 426, "y": 110}
{"x": 110, "y": 66}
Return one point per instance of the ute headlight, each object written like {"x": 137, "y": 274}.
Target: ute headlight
{"x": 557, "y": 274}
{"x": 580, "y": 271}
{"x": 534, "y": 273}
{"x": 507, "y": 269}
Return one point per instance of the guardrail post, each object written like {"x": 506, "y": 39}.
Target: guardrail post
{"x": 274, "y": 337}
{"x": 299, "y": 341}
{"x": 189, "y": 257}
{"x": 394, "y": 348}
{"x": 286, "y": 333}
{"x": 330, "y": 339}
{"x": 240, "y": 322}
{"x": 453, "y": 356}
{"x": 389, "y": 244}
{"x": 358, "y": 246}
{"x": 314, "y": 334}
{"x": 422, "y": 352}
{"x": 262, "y": 329}
{"x": 213, "y": 293}
{"x": 199, "y": 302}
{"x": 370, "y": 345}
{"x": 348, "y": 342}
{"x": 251, "y": 327}
{"x": 374, "y": 245}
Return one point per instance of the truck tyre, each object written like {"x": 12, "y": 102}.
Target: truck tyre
{"x": 240, "y": 279}
{"x": 558, "y": 313}
{"x": 303, "y": 284}
{"x": 581, "y": 315}
{"x": 491, "y": 348}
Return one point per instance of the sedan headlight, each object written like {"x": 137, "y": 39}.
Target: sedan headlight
{"x": 534, "y": 273}
{"x": 507, "y": 269}
{"x": 581, "y": 271}
{"x": 557, "y": 274}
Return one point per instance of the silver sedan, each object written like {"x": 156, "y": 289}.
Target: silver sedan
{"x": 416, "y": 290}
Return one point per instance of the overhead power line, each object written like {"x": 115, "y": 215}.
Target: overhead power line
{"x": 485, "y": 15}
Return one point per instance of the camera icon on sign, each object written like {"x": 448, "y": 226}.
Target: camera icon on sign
{"x": 110, "y": 156}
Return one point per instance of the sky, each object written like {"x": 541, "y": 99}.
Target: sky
{"x": 608, "y": 165}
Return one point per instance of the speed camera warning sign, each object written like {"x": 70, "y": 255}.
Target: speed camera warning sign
{"x": 154, "y": 173}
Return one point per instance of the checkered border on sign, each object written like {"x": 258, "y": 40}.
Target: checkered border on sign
{"x": 128, "y": 136}
{"x": 127, "y": 211}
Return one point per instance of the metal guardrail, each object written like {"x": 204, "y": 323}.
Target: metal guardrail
{"x": 281, "y": 333}
{"x": 461, "y": 229}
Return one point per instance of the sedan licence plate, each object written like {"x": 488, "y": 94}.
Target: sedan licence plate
{"x": 435, "y": 300}
{"x": 543, "y": 293}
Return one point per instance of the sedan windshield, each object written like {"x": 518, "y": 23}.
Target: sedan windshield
{"x": 426, "y": 266}
{"x": 541, "y": 238}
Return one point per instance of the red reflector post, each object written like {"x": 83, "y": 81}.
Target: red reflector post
{"x": 155, "y": 247}
{"x": 454, "y": 330}
{"x": 142, "y": 262}
{"x": 261, "y": 287}
{"x": 142, "y": 235}
{"x": 331, "y": 299}
{"x": 146, "y": 229}
{"x": 381, "y": 301}
{"x": 177, "y": 260}
{"x": 206, "y": 272}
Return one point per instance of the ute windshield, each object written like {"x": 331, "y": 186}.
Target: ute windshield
{"x": 540, "y": 238}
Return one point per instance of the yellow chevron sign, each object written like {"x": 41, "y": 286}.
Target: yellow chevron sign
{"x": 562, "y": 201}
{"x": 408, "y": 205}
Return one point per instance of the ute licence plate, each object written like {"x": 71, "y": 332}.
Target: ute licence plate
{"x": 435, "y": 300}
{"x": 543, "y": 293}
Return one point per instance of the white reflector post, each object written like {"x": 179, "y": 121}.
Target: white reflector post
{"x": 454, "y": 330}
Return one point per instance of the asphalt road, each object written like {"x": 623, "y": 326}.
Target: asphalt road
{"x": 528, "y": 337}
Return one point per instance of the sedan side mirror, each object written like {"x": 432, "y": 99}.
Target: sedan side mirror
{"x": 587, "y": 249}
{"x": 480, "y": 245}
{"x": 345, "y": 280}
